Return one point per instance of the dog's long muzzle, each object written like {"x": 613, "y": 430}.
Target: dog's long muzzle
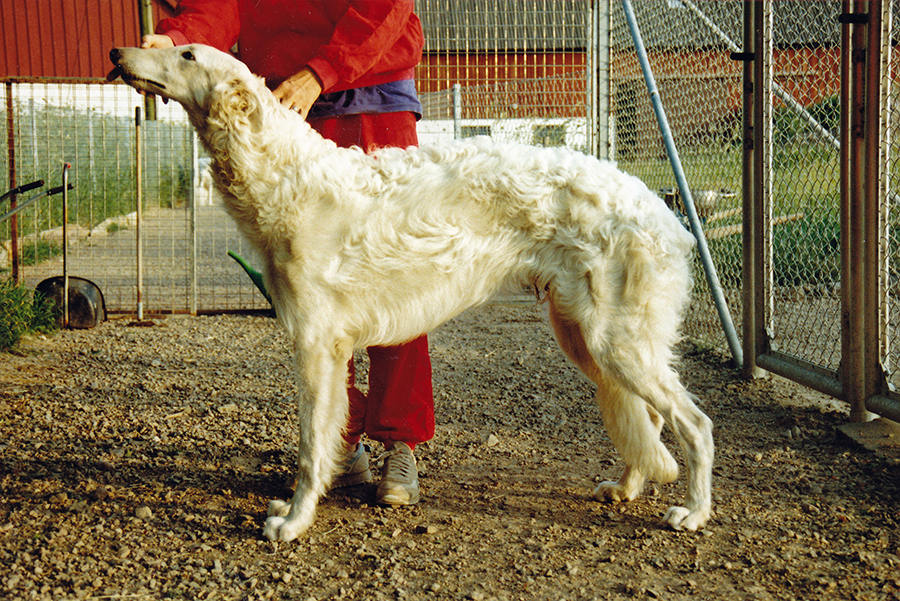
{"x": 139, "y": 83}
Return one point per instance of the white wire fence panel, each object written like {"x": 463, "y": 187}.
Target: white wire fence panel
{"x": 515, "y": 70}
{"x": 688, "y": 46}
{"x": 92, "y": 126}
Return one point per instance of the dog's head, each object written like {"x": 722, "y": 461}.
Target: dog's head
{"x": 190, "y": 75}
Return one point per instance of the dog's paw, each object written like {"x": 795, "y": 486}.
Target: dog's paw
{"x": 282, "y": 529}
{"x": 614, "y": 492}
{"x": 279, "y": 508}
{"x": 682, "y": 518}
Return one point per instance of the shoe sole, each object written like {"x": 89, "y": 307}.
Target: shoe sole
{"x": 395, "y": 499}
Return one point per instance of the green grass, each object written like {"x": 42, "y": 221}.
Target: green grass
{"x": 39, "y": 251}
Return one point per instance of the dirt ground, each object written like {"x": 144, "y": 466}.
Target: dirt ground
{"x": 137, "y": 463}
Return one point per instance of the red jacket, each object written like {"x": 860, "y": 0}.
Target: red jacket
{"x": 348, "y": 43}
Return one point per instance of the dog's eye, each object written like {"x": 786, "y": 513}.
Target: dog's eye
{"x": 188, "y": 55}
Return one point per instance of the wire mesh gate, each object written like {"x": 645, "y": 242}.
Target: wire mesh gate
{"x": 549, "y": 72}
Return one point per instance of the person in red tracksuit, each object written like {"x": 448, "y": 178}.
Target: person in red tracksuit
{"x": 347, "y": 66}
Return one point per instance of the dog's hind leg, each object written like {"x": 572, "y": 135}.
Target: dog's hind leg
{"x": 638, "y": 392}
{"x": 634, "y": 428}
{"x": 640, "y": 372}
{"x": 632, "y": 425}
{"x": 322, "y": 404}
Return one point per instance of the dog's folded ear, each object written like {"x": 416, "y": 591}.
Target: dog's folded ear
{"x": 234, "y": 106}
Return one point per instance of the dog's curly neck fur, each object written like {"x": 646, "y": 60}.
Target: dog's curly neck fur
{"x": 248, "y": 151}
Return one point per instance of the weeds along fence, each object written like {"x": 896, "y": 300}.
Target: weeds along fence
{"x": 545, "y": 72}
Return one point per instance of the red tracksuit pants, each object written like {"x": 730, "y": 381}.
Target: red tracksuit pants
{"x": 399, "y": 405}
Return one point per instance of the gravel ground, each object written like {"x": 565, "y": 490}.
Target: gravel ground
{"x": 137, "y": 461}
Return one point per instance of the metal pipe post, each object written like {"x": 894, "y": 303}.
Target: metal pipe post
{"x": 11, "y": 164}
{"x": 139, "y": 200}
{"x": 709, "y": 268}
{"x": 145, "y": 18}
{"x": 65, "y": 241}
{"x": 874, "y": 200}
{"x": 457, "y": 111}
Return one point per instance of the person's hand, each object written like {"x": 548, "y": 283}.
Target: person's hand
{"x": 299, "y": 91}
{"x": 157, "y": 41}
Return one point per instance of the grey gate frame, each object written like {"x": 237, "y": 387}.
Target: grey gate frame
{"x": 861, "y": 378}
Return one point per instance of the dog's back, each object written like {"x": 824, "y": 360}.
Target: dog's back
{"x": 475, "y": 215}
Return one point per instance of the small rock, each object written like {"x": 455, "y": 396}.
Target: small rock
{"x": 426, "y": 529}
{"x": 143, "y": 513}
{"x": 809, "y": 508}
{"x": 492, "y": 441}
{"x": 98, "y": 494}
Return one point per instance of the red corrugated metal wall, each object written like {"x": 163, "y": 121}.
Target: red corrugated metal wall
{"x": 66, "y": 38}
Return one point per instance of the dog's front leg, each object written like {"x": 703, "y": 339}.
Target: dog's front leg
{"x": 322, "y": 404}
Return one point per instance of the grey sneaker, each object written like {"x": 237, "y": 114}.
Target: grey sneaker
{"x": 399, "y": 479}
{"x": 354, "y": 468}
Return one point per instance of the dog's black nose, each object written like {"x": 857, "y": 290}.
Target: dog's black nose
{"x": 114, "y": 55}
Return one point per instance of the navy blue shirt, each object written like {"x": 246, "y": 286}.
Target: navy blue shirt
{"x": 391, "y": 97}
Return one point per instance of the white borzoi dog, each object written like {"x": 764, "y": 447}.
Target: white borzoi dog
{"x": 363, "y": 250}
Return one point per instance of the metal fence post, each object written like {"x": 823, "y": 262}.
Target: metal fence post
{"x": 599, "y": 79}
{"x": 874, "y": 217}
{"x": 755, "y": 121}
{"x": 457, "y": 111}
{"x": 195, "y": 184}
{"x": 11, "y": 162}
{"x": 853, "y": 185}
{"x": 139, "y": 201}
{"x": 145, "y": 18}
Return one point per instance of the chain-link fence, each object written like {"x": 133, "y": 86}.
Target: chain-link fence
{"x": 891, "y": 246}
{"x": 700, "y": 88}
{"x": 690, "y": 46}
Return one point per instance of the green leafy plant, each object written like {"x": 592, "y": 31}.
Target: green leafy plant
{"x": 22, "y": 312}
